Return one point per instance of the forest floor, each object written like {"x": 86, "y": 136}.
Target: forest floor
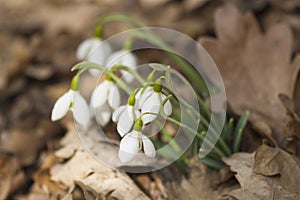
{"x": 41, "y": 159}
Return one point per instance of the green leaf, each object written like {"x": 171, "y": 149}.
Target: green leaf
{"x": 168, "y": 152}
{"x": 228, "y": 130}
{"x": 88, "y": 65}
{"x": 238, "y": 133}
{"x": 212, "y": 163}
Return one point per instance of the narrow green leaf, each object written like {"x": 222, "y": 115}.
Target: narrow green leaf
{"x": 228, "y": 130}
{"x": 212, "y": 163}
{"x": 239, "y": 131}
{"x": 87, "y": 65}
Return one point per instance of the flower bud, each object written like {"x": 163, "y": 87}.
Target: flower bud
{"x": 157, "y": 87}
{"x": 138, "y": 125}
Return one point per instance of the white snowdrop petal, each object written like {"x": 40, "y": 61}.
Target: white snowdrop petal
{"x": 127, "y": 76}
{"x": 81, "y": 109}
{"x": 99, "y": 95}
{"x": 122, "y": 57}
{"x": 125, "y": 123}
{"x": 95, "y": 72}
{"x": 137, "y": 113}
{"x": 99, "y": 53}
{"x": 86, "y": 46}
{"x": 114, "y": 98}
{"x": 143, "y": 97}
{"x": 61, "y": 106}
{"x": 148, "y": 146}
{"x": 130, "y": 60}
{"x": 115, "y": 58}
{"x": 152, "y": 104}
{"x": 103, "y": 114}
{"x": 117, "y": 113}
{"x": 167, "y": 106}
{"x": 129, "y": 147}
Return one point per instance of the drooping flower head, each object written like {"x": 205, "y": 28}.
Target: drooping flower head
{"x": 94, "y": 50}
{"x": 150, "y": 101}
{"x": 72, "y": 100}
{"x": 126, "y": 115}
{"x": 105, "y": 98}
{"x": 123, "y": 57}
{"x": 135, "y": 141}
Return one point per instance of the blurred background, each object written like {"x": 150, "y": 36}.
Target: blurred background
{"x": 38, "y": 40}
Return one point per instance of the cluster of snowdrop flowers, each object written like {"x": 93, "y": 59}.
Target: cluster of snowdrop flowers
{"x": 143, "y": 106}
{"x": 100, "y": 52}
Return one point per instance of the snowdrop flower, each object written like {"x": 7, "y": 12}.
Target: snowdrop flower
{"x": 126, "y": 115}
{"x": 133, "y": 142}
{"x": 123, "y": 57}
{"x": 72, "y": 100}
{"x": 105, "y": 97}
{"x": 151, "y": 100}
{"x": 94, "y": 50}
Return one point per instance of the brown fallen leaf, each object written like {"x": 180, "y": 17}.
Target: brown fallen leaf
{"x": 255, "y": 67}
{"x": 253, "y": 185}
{"x": 15, "y": 53}
{"x": 200, "y": 183}
{"x": 16, "y": 141}
{"x": 11, "y": 176}
{"x": 287, "y": 5}
{"x": 96, "y": 180}
{"x": 278, "y": 163}
{"x": 292, "y": 129}
{"x": 190, "y": 5}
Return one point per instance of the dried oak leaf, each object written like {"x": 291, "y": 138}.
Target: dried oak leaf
{"x": 255, "y": 67}
{"x": 16, "y": 141}
{"x": 276, "y": 162}
{"x": 96, "y": 180}
{"x": 11, "y": 176}
{"x": 292, "y": 129}
{"x": 287, "y": 5}
{"x": 201, "y": 183}
{"x": 253, "y": 185}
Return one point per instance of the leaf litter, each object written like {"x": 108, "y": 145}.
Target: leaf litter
{"x": 267, "y": 56}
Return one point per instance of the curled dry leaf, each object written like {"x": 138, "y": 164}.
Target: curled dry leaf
{"x": 276, "y": 162}
{"x": 292, "y": 129}
{"x": 11, "y": 176}
{"x": 15, "y": 53}
{"x": 43, "y": 187}
{"x": 255, "y": 67}
{"x": 253, "y": 185}
{"x": 287, "y": 5}
{"x": 201, "y": 183}
{"x": 96, "y": 180}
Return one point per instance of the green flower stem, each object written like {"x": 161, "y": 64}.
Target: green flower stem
{"x": 119, "y": 17}
{"x": 173, "y": 144}
{"x": 200, "y": 136}
{"x": 83, "y": 66}
{"x": 223, "y": 144}
{"x": 196, "y": 114}
{"x": 130, "y": 70}
{"x": 190, "y": 109}
{"x": 190, "y": 72}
